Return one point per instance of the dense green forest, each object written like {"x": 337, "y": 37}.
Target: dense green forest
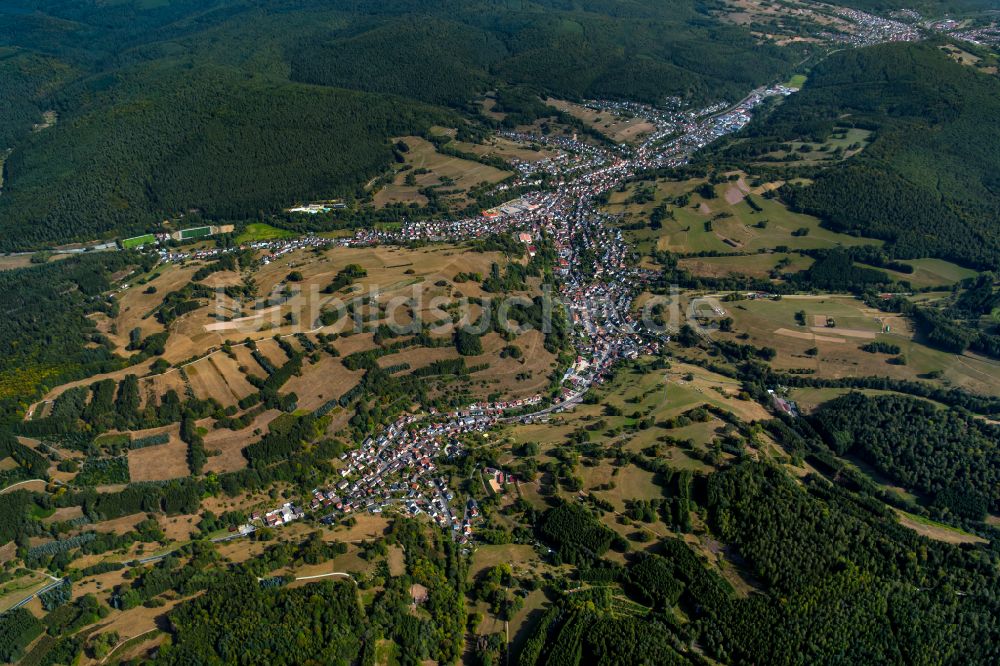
{"x": 170, "y": 107}
{"x": 843, "y": 578}
{"x": 26, "y": 77}
{"x": 835, "y": 580}
{"x": 319, "y": 624}
{"x": 636, "y": 50}
{"x": 928, "y": 183}
{"x": 162, "y": 138}
{"x": 951, "y": 456}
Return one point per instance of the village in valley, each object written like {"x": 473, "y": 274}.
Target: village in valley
{"x": 396, "y": 466}
{"x": 328, "y": 389}
{"x": 394, "y": 469}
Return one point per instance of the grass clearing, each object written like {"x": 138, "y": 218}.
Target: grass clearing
{"x": 935, "y": 530}
{"x": 932, "y": 273}
{"x": 259, "y": 231}
{"x": 488, "y": 556}
{"x": 17, "y": 588}
{"x": 843, "y": 143}
{"x": 796, "y": 81}
{"x": 506, "y": 149}
{"x": 754, "y": 265}
{"x": 159, "y": 463}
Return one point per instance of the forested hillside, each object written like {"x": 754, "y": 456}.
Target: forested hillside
{"x": 928, "y": 183}
{"x": 643, "y": 51}
{"x": 46, "y": 337}
{"x": 843, "y": 579}
{"x": 160, "y": 139}
{"x": 950, "y": 456}
{"x": 26, "y": 79}
{"x": 235, "y": 108}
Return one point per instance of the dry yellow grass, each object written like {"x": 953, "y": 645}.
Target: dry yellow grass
{"x": 218, "y": 377}
{"x": 938, "y": 532}
{"x": 772, "y": 324}
{"x": 505, "y": 149}
{"x": 161, "y": 462}
{"x": 323, "y": 381}
{"x": 230, "y": 443}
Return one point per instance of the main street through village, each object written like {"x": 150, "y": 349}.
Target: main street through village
{"x": 396, "y": 467}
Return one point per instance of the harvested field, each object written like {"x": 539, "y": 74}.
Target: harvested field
{"x": 804, "y": 335}
{"x": 64, "y": 513}
{"x": 152, "y": 388}
{"x": 272, "y": 351}
{"x": 937, "y": 531}
{"x": 159, "y": 463}
{"x": 754, "y": 265}
{"x": 368, "y": 526}
{"x": 139, "y": 620}
{"x": 218, "y": 376}
{"x": 322, "y": 381}
{"x": 850, "y": 333}
{"x": 179, "y": 528}
{"x": 505, "y": 149}
{"x": 122, "y": 525}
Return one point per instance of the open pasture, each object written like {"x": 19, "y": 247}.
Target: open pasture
{"x": 725, "y": 223}
{"x": 843, "y": 143}
{"x": 658, "y": 395}
{"x": 753, "y": 265}
{"x": 505, "y": 149}
{"x": 931, "y": 273}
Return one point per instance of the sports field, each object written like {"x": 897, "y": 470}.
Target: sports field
{"x": 138, "y": 241}
{"x": 195, "y": 232}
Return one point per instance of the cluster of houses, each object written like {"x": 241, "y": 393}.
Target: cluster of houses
{"x": 497, "y": 479}
{"x": 283, "y": 515}
{"x": 783, "y": 405}
{"x": 397, "y": 468}
{"x": 871, "y": 29}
